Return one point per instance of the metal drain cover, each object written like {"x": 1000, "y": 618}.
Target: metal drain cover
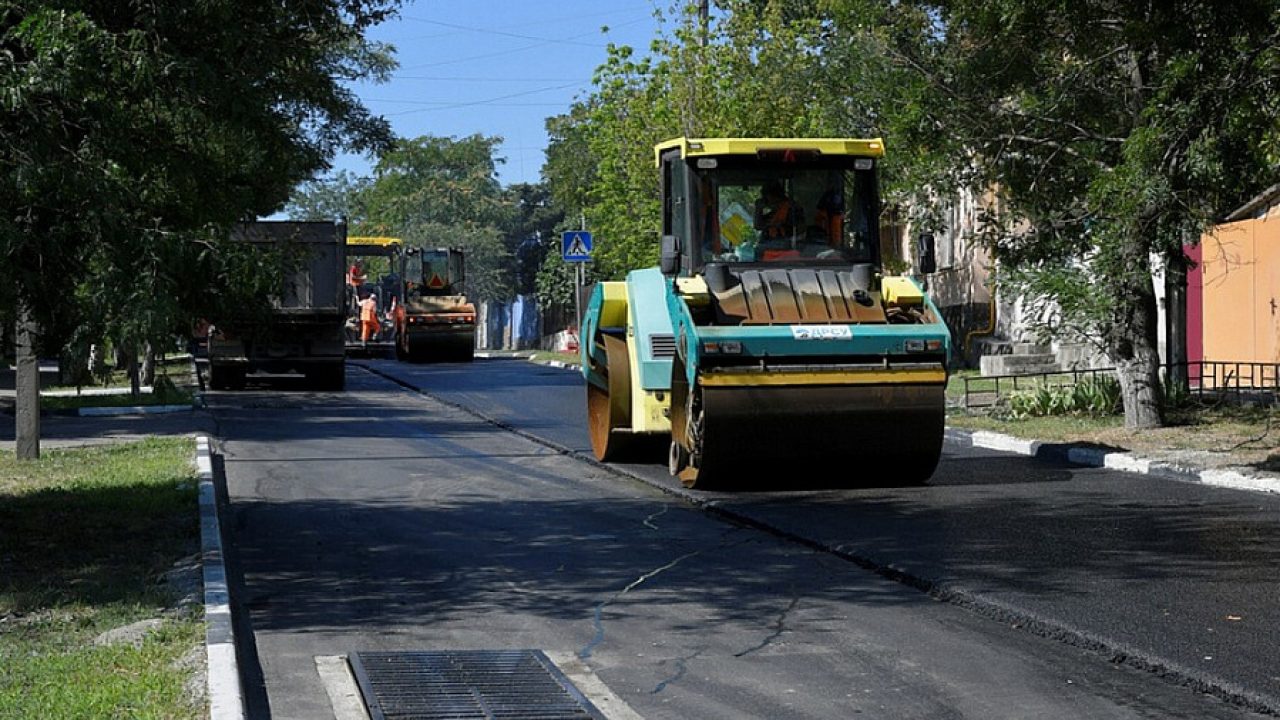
{"x": 464, "y": 684}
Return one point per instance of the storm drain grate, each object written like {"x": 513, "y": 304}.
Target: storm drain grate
{"x": 464, "y": 684}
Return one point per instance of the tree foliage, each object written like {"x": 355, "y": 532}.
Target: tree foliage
{"x": 439, "y": 192}
{"x": 751, "y": 71}
{"x": 133, "y": 134}
{"x": 1107, "y": 132}
{"x": 1115, "y": 132}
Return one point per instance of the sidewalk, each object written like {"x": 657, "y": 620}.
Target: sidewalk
{"x": 57, "y": 431}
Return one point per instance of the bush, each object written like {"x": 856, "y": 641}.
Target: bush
{"x": 1095, "y": 397}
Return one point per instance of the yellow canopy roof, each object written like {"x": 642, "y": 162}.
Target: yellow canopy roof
{"x": 373, "y": 240}
{"x": 700, "y": 147}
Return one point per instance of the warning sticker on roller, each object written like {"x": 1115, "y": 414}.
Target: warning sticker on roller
{"x": 821, "y": 332}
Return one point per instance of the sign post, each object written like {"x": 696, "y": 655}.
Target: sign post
{"x": 576, "y": 247}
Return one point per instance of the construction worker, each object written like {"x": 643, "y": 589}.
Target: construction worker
{"x": 355, "y": 276}
{"x": 776, "y": 214}
{"x": 368, "y": 318}
{"x": 830, "y": 216}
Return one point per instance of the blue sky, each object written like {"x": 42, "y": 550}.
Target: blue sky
{"x": 497, "y": 67}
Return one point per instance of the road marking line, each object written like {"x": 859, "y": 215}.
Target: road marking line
{"x": 592, "y": 687}
{"x": 340, "y": 686}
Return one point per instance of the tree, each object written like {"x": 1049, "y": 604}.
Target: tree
{"x": 438, "y": 191}
{"x": 1113, "y": 131}
{"x": 130, "y": 130}
{"x": 341, "y": 196}
{"x": 751, "y": 70}
{"x": 534, "y": 220}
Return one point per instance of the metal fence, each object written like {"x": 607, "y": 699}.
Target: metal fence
{"x": 1218, "y": 379}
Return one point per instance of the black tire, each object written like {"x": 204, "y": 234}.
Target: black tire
{"x": 609, "y": 409}
{"x": 327, "y": 377}
{"x": 218, "y": 377}
{"x": 225, "y": 377}
{"x": 338, "y": 377}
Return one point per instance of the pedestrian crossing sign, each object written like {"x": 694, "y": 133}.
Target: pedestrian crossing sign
{"x": 576, "y": 246}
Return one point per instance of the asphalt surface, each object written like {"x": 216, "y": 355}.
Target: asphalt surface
{"x": 379, "y": 519}
{"x": 1175, "y": 577}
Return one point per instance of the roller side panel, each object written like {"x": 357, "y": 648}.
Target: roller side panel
{"x": 649, "y": 329}
{"x": 606, "y": 311}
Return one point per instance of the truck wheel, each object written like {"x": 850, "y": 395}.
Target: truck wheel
{"x": 327, "y": 377}
{"x": 218, "y": 378}
{"x": 609, "y": 410}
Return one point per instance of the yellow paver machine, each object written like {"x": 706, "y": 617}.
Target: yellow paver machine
{"x": 769, "y": 346}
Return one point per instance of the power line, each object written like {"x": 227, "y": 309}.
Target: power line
{"x": 512, "y": 50}
{"x": 549, "y": 21}
{"x": 491, "y": 31}
{"x": 451, "y": 103}
{"x": 486, "y": 101}
{"x": 443, "y": 78}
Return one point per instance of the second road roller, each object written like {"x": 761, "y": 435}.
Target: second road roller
{"x": 769, "y": 336}
{"x": 435, "y": 321}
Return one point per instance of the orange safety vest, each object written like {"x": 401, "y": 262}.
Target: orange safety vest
{"x": 780, "y": 220}
{"x": 369, "y": 310}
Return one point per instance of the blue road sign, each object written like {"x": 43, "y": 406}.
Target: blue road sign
{"x": 576, "y": 246}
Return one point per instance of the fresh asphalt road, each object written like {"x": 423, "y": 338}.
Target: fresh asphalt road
{"x": 379, "y": 519}
{"x": 1179, "y": 577}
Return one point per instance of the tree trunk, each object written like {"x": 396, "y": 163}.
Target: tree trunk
{"x": 1175, "y": 313}
{"x": 149, "y": 364}
{"x": 1133, "y": 348}
{"x": 131, "y": 364}
{"x": 96, "y": 361}
{"x": 27, "y": 410}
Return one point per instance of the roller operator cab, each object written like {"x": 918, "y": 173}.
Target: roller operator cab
{"x": 769, "y": 338}
{"x": 435, "y": 321}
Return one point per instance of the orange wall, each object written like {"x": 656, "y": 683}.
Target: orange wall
{"x": 1241, "y": 270}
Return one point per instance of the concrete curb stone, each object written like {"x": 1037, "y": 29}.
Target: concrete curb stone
{"x": 226, "y": 695}
{"x": 1089, "y": 456}
{"x": 132, "y": 410}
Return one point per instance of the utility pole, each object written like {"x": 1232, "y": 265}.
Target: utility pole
{"x": 27, "y": 418}
{"x": 1175, "y": 321}
{"x": 579, "y": 279}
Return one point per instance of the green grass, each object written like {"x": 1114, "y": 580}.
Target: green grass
{"x": 955, "y": 383}
{"x": 87, "y": 533}
{"x": 564, "y": 357}
{"x": 1063, "y": 428}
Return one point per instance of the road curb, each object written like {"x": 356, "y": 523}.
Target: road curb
{"x": 556, "y": 364}
{"x": 528, "y": 358}
{"x": 947, "y": 592}
{"x": 132, "y": 410}
{"x": 226, "y": 696}
{"x": 1095, "y": 457}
